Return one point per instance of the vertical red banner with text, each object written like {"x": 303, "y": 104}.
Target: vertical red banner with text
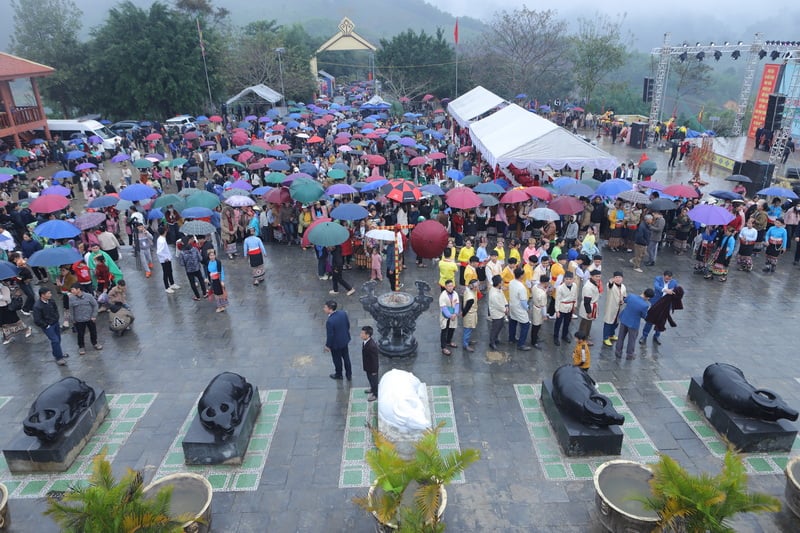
{"x": 769, "y": 82}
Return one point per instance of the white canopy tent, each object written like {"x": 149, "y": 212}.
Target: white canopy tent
{"x": 261, "y": 91}
{"x": 514, "y": 136}
{"x": 473, "y": 104}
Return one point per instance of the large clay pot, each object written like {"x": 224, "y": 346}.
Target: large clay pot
{"x": 191, "y": 495}
{"x": 5, "y": 517}
{"x": 618, "y": 484}
{"x": 392, "y": 526}
{"x": 792, "y": 492}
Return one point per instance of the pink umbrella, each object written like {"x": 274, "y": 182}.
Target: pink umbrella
{"x": 375, "y": 159}
{"x": 464, "y": 149}
{"x": 278, "y": 127}
{"x": 215, "y": 118}
{"x": 278, "y": 195}
{"x": 427, "y": 97}
{"x": 681, "y": 191}
{"x": 153, "y": 137}
{"x": 514, "y": 196}
{"x": 418, "y": 161}
{"x": 48, "y": 204}
{"x": 258, "y": 165}
{"x": 566, "y": 205}
{"x": 341, "y": 140}
{"x": 539, "y": 192}
{"x": 282, "y": 147}
{"x": 244, "y": 156}
{"x": 437, "y": 155}
{"x": 462, "y": 198}
{"x": 190, "y": 135}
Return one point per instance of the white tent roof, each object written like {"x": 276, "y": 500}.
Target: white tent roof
{"x": 377, "y": 100}
{"x": 515, "y": 136}
{"x": 473, "y": 104}
{"x": 261, "y": 91}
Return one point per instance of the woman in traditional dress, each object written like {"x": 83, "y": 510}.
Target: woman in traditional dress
{"x": 255, "y": 252}
{"x": 616, "y": 223}
{"x": 776, "y": 241}
{"x": 229, "y": 222}
{"x": 747, "y": 240}
{"x": 10, "y": 323}
{"x": 705, "y": 249}
{"x": 216, "y": 276}
{"x": 722, "y": 256}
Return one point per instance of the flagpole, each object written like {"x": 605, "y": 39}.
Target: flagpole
{"x": 455, "y": 36}
{"x": 205, "y": 65}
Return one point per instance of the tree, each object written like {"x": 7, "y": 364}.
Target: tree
{"x": 413, "y": 64}
{"x": 46, "y": 31}
{"x": 251, "y": 57}
{"x": 524, "y": 51}
{"x": 201, "y": 8}
{"x": 598, "y": 49}
{"x": 690, "y": 78}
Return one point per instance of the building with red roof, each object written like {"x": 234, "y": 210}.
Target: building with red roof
{"x": 17, "y": 121}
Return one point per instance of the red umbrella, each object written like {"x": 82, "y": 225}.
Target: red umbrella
{"x": 257, "y": 165}
{"x": 278, "y": 195}
{"x": 278, "y": 127}
{"x": 49, "y": 204}
{"x": 153, "y": 137}
{"x": 539, "y": 192}
{"x": 319, "y": 122}
{"x": 341, "y": 140}
{"x": 375, "y": 159}
{"x": 244, "y": 156}
{"x": 566, "y": 205}
{"x": 282, "y": 147}
{"x": 429, "y": 239}
{"x": 681, "y": 191}
{"x": 315, "y": 139}
{"x": 514, "y": 196}
{"x": 462, "y": 198}
{"x": 427, "y": 97}
{"x": 437, "y": 155}
{"x": 190, "y": 135}
{"x": 239, "y": 139}
{"x": 464, "y": 149}
{"x": 418, "y": 161}
{"x": 215, "y": 118}
{"x": 403, "y": 191}
{"x": 304, "y": 241}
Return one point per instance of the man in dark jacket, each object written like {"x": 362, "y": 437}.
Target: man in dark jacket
{"x": 45, "y": 315}
{"x": 337, "y": 265}
{"x": 640, "y": 241}
{"x": 337, "y": 329}
{"x": 369, "y": 358}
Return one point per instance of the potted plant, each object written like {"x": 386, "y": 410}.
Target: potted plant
{"x": 687, "y": 503}
{"x": 792, "y": 491}
{"x": 5, "y": 516}
{"x": 409, "y": 494}
{"x": 106, "y": 505}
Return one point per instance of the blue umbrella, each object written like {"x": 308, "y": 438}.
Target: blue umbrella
{"x": 53, "y": 257}
{"x": 349, "y": 212}
{"x": 344, "y": 126}
{"x": 215, "y": 155}
{"x": 374, "y": 185}
{"x": 37, "y": 141}
{"x": 726, "y": 195}
{"x": 260, "y": 191}
{"x": 279, "y": 165}
{"x": 292, "y": 124}
{"x": 137, "y": 192}
{"x": 563, "y": 181}
{"x": 10, "y": 158}
{"x": 276, "y": 153}
{"x": 8, "y": 270}
{"x": 308, "y": 168}
{"x": 576, "y": 189}
{"x": 103, "y": 201}
{"x": 56, "y": 229}
{"x": 489, "y": 187}
{"x": 433, "y": 189}
{"x": 155, "y": 214}
{"x": 225, "y": 160}
{"x": 455, "y": 174}
{"x": 613, "y": 187}
{"x": 63, "y": 174}
{"x": 245, "y": 125}
{"x": 232, "y": 151}
{"x": 74, "y": 154}
{"x": 778, "y": 191}
{"x": 522, "y": 95}
{"x": 197, "y": 212}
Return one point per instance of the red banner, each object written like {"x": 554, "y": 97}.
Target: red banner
{"x": 455, "y": 32}
{"x": 769, "y": 82}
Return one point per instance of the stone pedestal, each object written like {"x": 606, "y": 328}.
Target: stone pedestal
{"x": 201, "y": 447}
{"x": 575, "y": 437}
{"x": 395, "y": 315}
{"x": 403, "y": 438}
{"x": 747, "y": 435}
{"x": 28, "y": 454}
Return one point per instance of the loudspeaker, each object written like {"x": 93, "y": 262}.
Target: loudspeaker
{"x": 760, "y": 172}
{"x": 774, "y": 117}
{"x": 647, "y": 90}
{"x": 638, "y": 135}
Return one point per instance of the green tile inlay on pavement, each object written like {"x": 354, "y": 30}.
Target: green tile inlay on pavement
{"x": 4, "y": 400}
{"x": 125, "y": 411}
{"x": 636, "y": 445}
{"x": 354, "y": 471}
{"x": 232, "y": 478}
{"x": 756, "y": 463}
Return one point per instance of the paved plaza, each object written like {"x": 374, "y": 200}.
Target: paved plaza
{"x": 305, "y": 462}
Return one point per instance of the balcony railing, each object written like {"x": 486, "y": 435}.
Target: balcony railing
{"x": 22, "y": 115}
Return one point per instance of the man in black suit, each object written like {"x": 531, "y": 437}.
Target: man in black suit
{"x": 338, "y": 337}
{"x": 369, "y": 358}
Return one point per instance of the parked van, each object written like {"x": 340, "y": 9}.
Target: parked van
{"x": 72, "y": 129}
{"x": 179, "y": 124}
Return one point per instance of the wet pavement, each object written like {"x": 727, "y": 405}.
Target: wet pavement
{"x": 274, "y": 334}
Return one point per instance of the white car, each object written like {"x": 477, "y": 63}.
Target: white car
{"x": 180, "y": 123}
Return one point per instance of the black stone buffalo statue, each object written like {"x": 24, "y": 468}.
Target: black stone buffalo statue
{"x": 223, "y": 403}
{"x": 575, "y": 394}
{"x": 57, "y": 408}
{"x": 730, "y": 388}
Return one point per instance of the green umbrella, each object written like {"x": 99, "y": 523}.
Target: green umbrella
{"x": 179, "y": 161}
{"x": 258, "y": 150}
{"x": 591, "y": 182}
{"x": 305, "y": 190}
{"x": 471, "y": 180}
{"x": 336, "y": 174}
{"x": 648, "y": 168}
{"x": 19, "y": 152}
{"x": 203, "y": 199}
{"x": 169, "y": 199}
{"x": 143, "y": 163}
{"x": 164, "y": 164}
{"x": 328, "y": 234}
{"x": 188, "y": 191}
{"x": 275, "y": 178}
{"x": 9, "y": 171}
{"x": 235, "y": 192}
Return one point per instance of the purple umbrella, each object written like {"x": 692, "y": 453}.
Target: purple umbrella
{"x": 710, "y": 215}
{"x": 240, "y": 201}
{"x": 85, "y": 166}
{"x": 250, "y": 117}
{"x": 340, "y": 188}
{"x": 407, "y": 141}
{"x": 656, "y": 186}
{"x": 57, "y": 190}
{"x": 94, "y": 139}
{"x": 6, "y": 177}
{"x": 89, "y": 220}
{"x": 241, "y": 184}
{"x": 157, "y": 157}
{"x": 206, "y": 144}
{"x": 119, "y": 158}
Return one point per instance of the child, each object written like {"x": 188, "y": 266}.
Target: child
{"x": 377, "y": 261}
{"x": 581, "y": 357}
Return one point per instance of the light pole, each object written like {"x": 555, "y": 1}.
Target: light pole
{"x": 280, "y": 51}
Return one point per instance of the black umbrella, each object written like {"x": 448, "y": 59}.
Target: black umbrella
{"x": 662, "y": 204}
{"x": 740, "y": 178}
{"x": 192, "y": 170}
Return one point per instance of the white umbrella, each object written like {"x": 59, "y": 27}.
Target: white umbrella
{"x": 545, "y": 213}
{"x": 381, "y": 234}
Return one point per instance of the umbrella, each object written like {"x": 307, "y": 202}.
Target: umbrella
{"x": 328, "y": 234}
{"x": 778, "y": 191}
{"x": 634, "y": 197}
{"x": 197, "y": 212}
{"x": 53, "y": 257}
{"x": 87, "y": 166}
{"x": 575, "y": 189}
{"x": 167, "y": 200}
{"x": 471, "y": 180}
{"x": 119, "y": 158}
{"x": 544, "y": 213}
{"x": 428, "y": 239}
{"x": 240, "y": 201}
{"x": 8, "y": 270}
{"x": 57, "y": 190}
{"x": 681, "y": 191}
{"x": 726, "y": 195}
{"x": 278, "y": 195}
{"x": 403, "y": 191}
{"x": 662, "y": 204}
{"x": 74, "y": 154}
{"x": 242, "y": 184}
{"x": 566, "y": 205}
{"x": 279, "y": 165}
{"x": 275, "y": 178}
{"x": 489, "y": 187}
{"x": 514, "y": 196}
{"x": 349, "y": 212}
{"x": 455, "y": 174}
{"x": 374, "y": 185}
{"x": 62, "y": 174}
{"x": 155, "y": 214}
{"x": 433, "y": 189}
{"x": 710, "y": 215}
{"x": 203, "y": 199}
{"x": 306, "y": 190}
{"x": 261, "y": 191}
{"x": 488, "y": 200}
{"x": 142, "y": 163}
{"x": 336, "y": 174}
{"x": 383, "y": 234}
{"x": 539, "y": 192}
{"x": 613, "y": 187}
{"x": 564, "y": 181}
{"x": 738, "y": 177}
{"x": 198, "y": 227}
{"x": 89, "y": 220}
{"x": 462, "y": 198}
{"x": 57, "y": 229}
{"x": 153, "y": 137}
{"x": 178, "y": 162}
{"x": 648, "y": 168}
{"x": 340, "y": 188}
{"x": 649, "y": 184}
{"x": 304, "y": 241}
{"x": 48, "y": 204}
{"x": 103, "y": 201}
{"x": 137, "y": 192}
{"x": 8, "y": 171}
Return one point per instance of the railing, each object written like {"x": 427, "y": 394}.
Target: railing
{"x": 22, "y": 115}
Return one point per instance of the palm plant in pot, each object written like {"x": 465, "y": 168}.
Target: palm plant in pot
{"x": 408, "y": 495}
{"x": 106, "y": 505}
{"x": 687, "y": 503}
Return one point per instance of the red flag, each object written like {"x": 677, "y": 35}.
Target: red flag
{"x": 200, "y": 35}
{"x": 455, "y": 31}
